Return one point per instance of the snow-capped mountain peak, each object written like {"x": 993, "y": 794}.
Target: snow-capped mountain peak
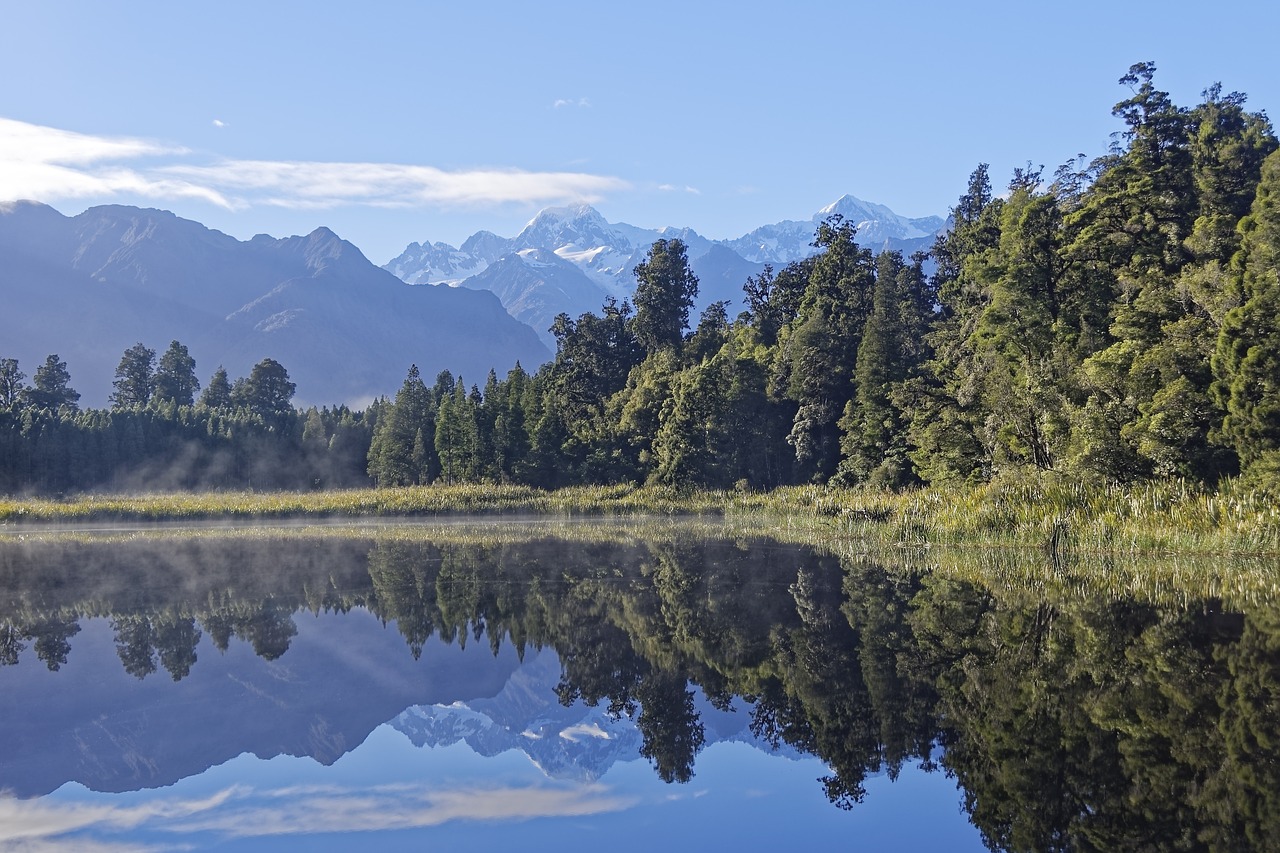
{"x": 574, "y": 228}
{"x": 534, "y": 289}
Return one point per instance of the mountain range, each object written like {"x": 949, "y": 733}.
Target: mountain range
{"x": 88, "y": 287}
{"x": 570, "y": 259}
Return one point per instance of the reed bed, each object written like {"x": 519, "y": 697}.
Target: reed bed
{"x": 1058, "y": 516}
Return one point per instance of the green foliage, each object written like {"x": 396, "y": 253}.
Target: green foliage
{"x": 1247, "y": 359}
{"x": 11, "y": 383}
{"x": 267, "y": 392}
{"x": 135, "y": 377}
{"x": 665, "y": 291}
{"x": 51, "y": 387}
{"x": 175, "y": 377}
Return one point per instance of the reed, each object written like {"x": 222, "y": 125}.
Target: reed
{"x": 1171, "y": 517}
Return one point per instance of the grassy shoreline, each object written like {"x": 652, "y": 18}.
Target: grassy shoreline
{"x": 1171, "y": 517}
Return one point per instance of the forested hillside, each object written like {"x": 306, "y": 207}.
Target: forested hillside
{"x": 1115, "y": 320}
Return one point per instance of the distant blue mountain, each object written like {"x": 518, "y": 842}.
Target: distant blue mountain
{"x": 90, "y": 286}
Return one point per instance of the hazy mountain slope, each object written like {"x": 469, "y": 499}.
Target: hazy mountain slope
{"x": 535, "y": 285}
{"x": 87, "y": 287}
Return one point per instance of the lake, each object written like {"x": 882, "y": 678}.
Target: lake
{"x": 622, "y": 684}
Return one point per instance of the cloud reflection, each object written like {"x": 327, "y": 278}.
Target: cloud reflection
{"x": 242, "y": 812}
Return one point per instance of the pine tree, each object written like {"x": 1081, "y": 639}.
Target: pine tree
{"x": 402, "y": 450}
{"x": 51, "y": 387}
{"x": 175, "y": 377}
{"x": 217, "y": 395}
{"x": 11, "y": 383}
{"x": 873, "y": 430}
{"x": 135, "y": 377}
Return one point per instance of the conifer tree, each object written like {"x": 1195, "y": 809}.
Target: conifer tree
{"x": 817, "y": 352}
{"x": 135, "y": 377}
{"x": 175, "y": 377}
{"x": 51, "y": 387}
{"x": 1247, "y": 360}
{"x": 217, "y": 394}
{"x": 665, "y": 291}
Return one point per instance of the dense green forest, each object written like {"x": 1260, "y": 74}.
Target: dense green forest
{"x": 1113, "y": 322}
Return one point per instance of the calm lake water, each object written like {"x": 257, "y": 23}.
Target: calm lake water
{"x": 395, "y": 687}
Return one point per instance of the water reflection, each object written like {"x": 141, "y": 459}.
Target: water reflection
{"x": 1068, "y": 720}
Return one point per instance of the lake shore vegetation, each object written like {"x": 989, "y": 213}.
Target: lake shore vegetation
{"x": 1057, "y": 517}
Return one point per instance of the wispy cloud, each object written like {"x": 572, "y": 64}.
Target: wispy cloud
{"x": 302, "y": 184}
{"x": 561, "y": 103}
{"x": 47, "y": 164}
{"x": 672, "y": 188}
{"x": 217, "y": 122}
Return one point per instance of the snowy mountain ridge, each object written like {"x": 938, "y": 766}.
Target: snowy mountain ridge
{"x": 606, "y": 254}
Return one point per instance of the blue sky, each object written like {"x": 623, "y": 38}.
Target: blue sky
{"x": 393, "y": 122}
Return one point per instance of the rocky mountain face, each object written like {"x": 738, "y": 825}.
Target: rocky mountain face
{"x": 90, "y": 286}
{"x": 520, "y": 270}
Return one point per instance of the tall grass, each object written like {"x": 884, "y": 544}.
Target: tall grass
{"x": 1171, "y": 517}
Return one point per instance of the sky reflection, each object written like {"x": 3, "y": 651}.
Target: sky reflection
{"x": 389, "y": 793}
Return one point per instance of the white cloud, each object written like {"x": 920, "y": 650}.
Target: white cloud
{"x": 217, "y": 122}
{"x": 47, "y": 164}
{"x": 671, "y": 188}
{"x": 304, "y": 185}
{"x": 571, "y": 102}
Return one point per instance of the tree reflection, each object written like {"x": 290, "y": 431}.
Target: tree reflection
{"x": 1068, "y": 721}
{"x": 11, "y": 644}
{"x": 51, "y": 639}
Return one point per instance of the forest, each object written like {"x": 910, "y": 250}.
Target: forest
{"x": 1115, "y": 321}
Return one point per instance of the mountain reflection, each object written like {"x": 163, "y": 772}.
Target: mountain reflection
{"x": 1069, "y": 720}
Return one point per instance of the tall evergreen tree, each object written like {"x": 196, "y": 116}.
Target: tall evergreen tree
{"x": 942, "y": 403}
{"x": 402, "y": 450}
{"x": 267, "y": 392}
{"x": 455, "y": 438}
{"x": 11, "y": 383}
{"x": 51, "y": 387}
{"x": 873, "y": 433}
{"x": 818, "y": 350}
{"x": 217, "y": 394}
{"x": 665, "y": 291}
{"x": 1247, "y": 360}
{"x": 135, "y": 377}
{"x": 175, "y": 377}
